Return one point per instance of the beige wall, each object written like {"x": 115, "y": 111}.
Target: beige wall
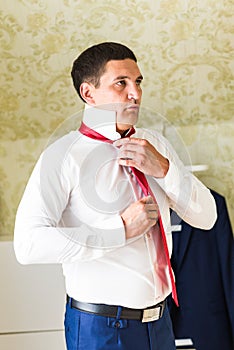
{"x": 185, "y": 52}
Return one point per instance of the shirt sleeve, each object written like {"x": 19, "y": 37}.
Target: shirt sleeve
{"x": 187, "y": 196}
{"x": 40, "y": 235}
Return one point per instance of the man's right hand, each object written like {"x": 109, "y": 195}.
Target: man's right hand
{"x": 140, "y": 216}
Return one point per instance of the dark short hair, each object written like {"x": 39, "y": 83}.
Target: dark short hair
{"x": 90, "y": 64}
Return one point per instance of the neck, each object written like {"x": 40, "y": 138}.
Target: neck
{"x": 123, "y": 129}
{"x": 124, "y": 133}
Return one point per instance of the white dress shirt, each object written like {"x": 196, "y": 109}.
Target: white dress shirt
{"x": 70, "y": 214}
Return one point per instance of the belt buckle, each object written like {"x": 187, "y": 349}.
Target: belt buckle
{"x": 153, "y": 314}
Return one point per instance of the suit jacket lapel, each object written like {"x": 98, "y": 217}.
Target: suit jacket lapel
{"x": 180, "y": 241}
{"x": 185, "y": 233}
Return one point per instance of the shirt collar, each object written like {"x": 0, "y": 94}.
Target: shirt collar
{"x": 101, "y": 120}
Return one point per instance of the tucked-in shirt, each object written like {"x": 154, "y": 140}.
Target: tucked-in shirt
{"x": 70, "y": 213}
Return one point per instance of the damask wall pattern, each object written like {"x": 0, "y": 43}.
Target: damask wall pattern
{"x": 185, "y": 52}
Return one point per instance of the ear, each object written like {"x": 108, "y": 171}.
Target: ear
{"x": 86, "y": 91}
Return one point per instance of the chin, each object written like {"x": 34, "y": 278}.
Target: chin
{"x": 127, "y": 120}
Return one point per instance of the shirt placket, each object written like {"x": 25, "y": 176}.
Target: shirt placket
{"x": 138, "y": 194}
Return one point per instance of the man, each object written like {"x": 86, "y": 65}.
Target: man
{"x": 88, "y": 206}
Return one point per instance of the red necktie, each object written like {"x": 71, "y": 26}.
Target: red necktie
{"x": 141, "y": 179}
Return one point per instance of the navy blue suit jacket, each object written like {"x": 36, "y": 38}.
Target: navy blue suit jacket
{"x": 203, "y": 262}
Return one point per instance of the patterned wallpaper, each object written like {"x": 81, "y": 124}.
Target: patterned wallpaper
{"x": 185, "y": 52}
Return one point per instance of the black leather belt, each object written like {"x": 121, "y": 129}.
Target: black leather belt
{"x": 149, "y": 314}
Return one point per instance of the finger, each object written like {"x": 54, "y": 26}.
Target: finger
{"x": 121, "y": 142}
{"x": 152, "y": 216}
{"x": 147, "y": 200}
{"x": 151, "y": 207}
{"x": 126, "y": 140}
{"x": 126, "y": 154}
{"x": 132, "y": 147}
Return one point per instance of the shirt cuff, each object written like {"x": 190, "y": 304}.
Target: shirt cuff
{"x": 171, "y": 182}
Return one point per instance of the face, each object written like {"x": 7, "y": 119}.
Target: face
{"x": 120, "y": 90}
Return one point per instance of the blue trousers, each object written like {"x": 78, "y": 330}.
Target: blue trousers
{"x": 86, "y": 331}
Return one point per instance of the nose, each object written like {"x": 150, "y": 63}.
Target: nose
{"x": 132, "y": 99}
{"x": 134, "y": 93}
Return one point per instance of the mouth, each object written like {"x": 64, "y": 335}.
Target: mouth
{"x": 132, "y": 107}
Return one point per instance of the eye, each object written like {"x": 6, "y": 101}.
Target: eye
{"x": 121, "y": 83}
{"x": 138, "y": 81}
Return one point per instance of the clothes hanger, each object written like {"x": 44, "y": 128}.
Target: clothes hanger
{"x": 197, "y": 168}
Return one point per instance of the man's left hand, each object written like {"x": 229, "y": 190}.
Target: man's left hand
{"x": 141, "y": 154}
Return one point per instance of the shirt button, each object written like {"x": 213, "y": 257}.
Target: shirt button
{"x": 148, "y": 235}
